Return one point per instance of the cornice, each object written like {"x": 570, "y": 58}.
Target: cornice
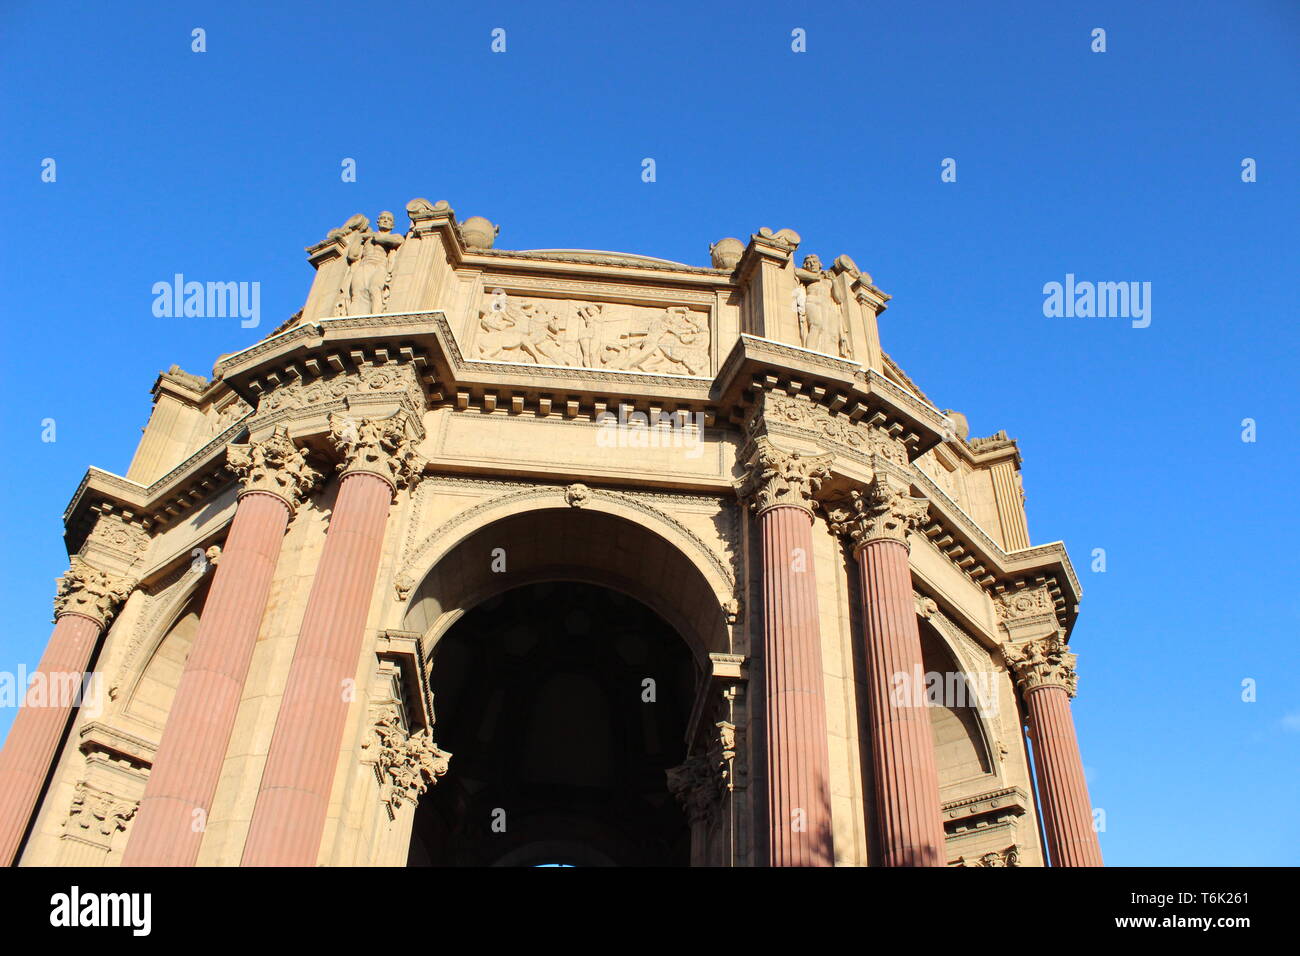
{"x": 756, "y": 365}
{"x": 976, "y": 554}
{"x": 161, "y": 501}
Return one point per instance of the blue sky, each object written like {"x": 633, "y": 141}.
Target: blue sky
{"x": 1115, "y": 166}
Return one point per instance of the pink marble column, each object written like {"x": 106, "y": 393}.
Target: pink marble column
{"x": 798, "y": 775}
{"x": 169, "y": 827}
{"x": 86, "y": 602}
{"x": 797, "y": 760}
{"x": 902, "y": 745}
{"x": 1044, "y": 669}
{"x": 289, "y": 817}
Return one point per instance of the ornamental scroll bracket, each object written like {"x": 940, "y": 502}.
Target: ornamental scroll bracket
{"x": 715, "y": 766}
{"x": 400, "y": 744}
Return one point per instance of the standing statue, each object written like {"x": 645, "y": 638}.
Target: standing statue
{"x": 814, "y": 305}
{"x": 370, "y": 256}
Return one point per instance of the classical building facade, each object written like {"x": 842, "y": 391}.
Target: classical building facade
{"x": 515, "y": 557}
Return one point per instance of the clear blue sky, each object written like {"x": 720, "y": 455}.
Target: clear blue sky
{"x": 1123, "y": 165}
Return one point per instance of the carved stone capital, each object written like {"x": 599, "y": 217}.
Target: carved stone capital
{"x": 700, "y": 782}
{"x": 377, "y": 446}
{"x": 406, "y": 765}
{"x": 1042, "y": 662}
{"x": 98, "y": 810}
{"x": 275, "y": 466}
{"x": 1008, "y": 857}
{"x": 90, "y": 592}
{"x": 777, "y": 477}
{"x": 879, "y": 511}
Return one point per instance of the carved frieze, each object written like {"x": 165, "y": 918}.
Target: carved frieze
{"x": 778, "y": 477}
{"x": 405, "y": 765}
{"x": 1042, "y": 662}
{"x": 1024, "y": 606}
{"x": 273, "y": 465}
{"x": 115, "y": 533}
{"x": 366, "y": 379}
{"x": 88, "y": 591}
{"x": 881, "y": 510}
{"x": 232, "y": 412}
{"x": 594, "y": 335}
{"x": 816, "y": 421}
{"x": 377, "y": 446}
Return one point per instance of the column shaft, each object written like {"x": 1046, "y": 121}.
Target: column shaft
{"x": 798, "y": 784}
{"x": 1062, "y": 788}
{"x": 289, "y": 817}
{"x": 178, "y": 797}
{"x": 902, "y": 743}
{"x": 39, "y": 725}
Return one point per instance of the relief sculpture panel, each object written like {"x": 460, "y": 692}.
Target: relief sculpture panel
{"x": 597, "y": 335}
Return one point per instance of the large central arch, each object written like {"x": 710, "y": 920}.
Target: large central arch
{"x": 564, "y": 705}
{"x": 605, "y": 542}
{"x": 541, "y": 629}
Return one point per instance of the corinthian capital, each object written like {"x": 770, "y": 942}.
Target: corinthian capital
{"x": 377, "y": 446}
{"x": 92, "y": 593}
{"x": 779, "y": 477}
{"x": 1042, "y": 662}
{"x": 879, "y": 511}
{"x": 406, "y": 765}
{"x": 275, "y": 466}
{"x": 699, "y": 783}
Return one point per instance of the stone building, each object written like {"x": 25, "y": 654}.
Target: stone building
{"x": 692, "y": 572}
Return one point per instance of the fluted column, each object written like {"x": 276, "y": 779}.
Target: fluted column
{"x": 169, "y": 828}
{"x": 877, "y": 521}
{"x": 289, "y": 817}
{"x": 1044, "y": 670}
{"x": 86, "y": 602}
{"x": 797, "y": 759}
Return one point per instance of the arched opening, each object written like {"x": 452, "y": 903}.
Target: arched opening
{"x": 563, "y": 704}
{"x": 960, "y": 750}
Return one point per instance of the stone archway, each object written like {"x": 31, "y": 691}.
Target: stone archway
{"x": 564, "y": 703}
{"x": 617, "y": 548}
